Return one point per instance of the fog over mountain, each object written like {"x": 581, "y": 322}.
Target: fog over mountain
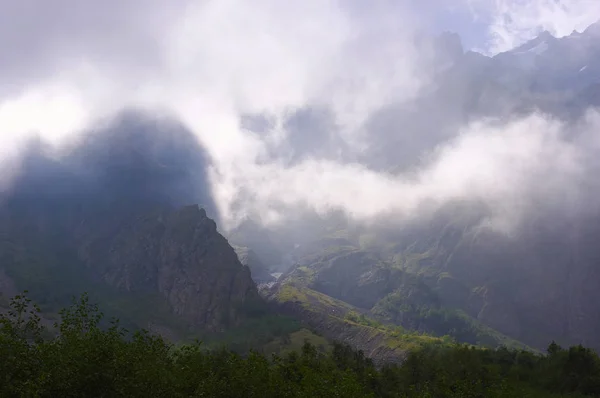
{"x": 357, "y": 111}
{"x": 358, "y": 147}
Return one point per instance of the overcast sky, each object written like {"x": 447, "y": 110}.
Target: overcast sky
{"x": 89, "y": 55}
{"x": 64, "y": 63}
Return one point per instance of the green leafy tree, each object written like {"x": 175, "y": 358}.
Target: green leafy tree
{"x": 83, "y": 358}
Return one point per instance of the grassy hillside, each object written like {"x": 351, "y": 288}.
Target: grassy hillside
{"x": 339, "y": 321}
{"x": 341, "y": 279}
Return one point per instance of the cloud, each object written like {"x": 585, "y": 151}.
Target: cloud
{"x": 512, "y": 167}
{"x": 66, "y": 63}
{"x": 211, "y": 62}
{"x": 207, "y": 62}
{"x": 202, "y": 58}
{"x": 43, "y": 38}
{"x": 512, "y": 22}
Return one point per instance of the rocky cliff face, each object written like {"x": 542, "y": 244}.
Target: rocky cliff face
{"x": 179, "y": 254}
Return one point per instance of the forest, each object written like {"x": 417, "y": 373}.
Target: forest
{"x": 80, "y": 357}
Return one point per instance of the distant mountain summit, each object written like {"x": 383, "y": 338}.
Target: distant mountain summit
{"x": 557, "y": 76}
{"x": 568, "y": 63}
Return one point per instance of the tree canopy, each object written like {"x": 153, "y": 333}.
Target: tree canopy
{"x": 81, "y": 358}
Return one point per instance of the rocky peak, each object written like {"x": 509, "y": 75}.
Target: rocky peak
{"x": 450, "y": 44}
{"x": 593, "y": 29}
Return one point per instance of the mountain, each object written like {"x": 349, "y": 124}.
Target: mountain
{"x": 451, "y": 273}
{"x": 570, "y": 63}
{"x": 107, "y": 216}
{"x": 126, "y": 213}
{"x": 248, "y": 258}
{"x": 557, "y": 76}
{"x": 345, "y": 280}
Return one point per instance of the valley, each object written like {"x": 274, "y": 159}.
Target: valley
{"x": 489, "y": 262}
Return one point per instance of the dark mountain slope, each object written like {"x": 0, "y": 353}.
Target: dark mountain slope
{"x": 452, "y": 274}
{"x": 107, "y": 216}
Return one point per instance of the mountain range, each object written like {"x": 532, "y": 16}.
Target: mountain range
{"x": 448, "y": 273}
{"x": 126, "y": 213}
